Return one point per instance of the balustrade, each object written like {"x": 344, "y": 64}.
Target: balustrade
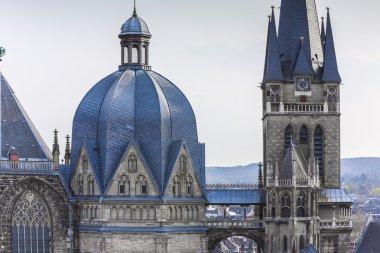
{"x": 257, "y": 224}
{"x": 25, "y": 165}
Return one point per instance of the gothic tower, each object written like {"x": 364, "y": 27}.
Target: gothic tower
{"x": 301, "y": 123}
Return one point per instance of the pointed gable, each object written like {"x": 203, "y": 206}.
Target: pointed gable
{"x": 131, "y": 171}
{"x": 88, "y": 170}
{"x": 330, "y": 71}
{"x": 17, "y": 129}
{"x": 273, "y": 70}
{"x": 182, "y": 172}
{"x": 295, "y": 161}
{"x": 323, "y": 34}
{"x": 303, "y": 64}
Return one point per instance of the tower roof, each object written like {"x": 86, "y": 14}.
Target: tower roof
{"x": 330, "y": 72}
{"x": 135, "y": 26}
{"x": 17, "y": 130}
{"x": 273, "y": 70}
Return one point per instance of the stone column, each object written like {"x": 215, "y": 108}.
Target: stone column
{"x": 147, "y": 54}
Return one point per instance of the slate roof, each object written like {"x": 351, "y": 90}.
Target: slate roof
{"x": 135, "y": 26}
{"x": 370, "y": 242}
{"x": 299, "y": 19}
{"x": 309, "y": 249}
{"x": 294, "y": 153}
{"x": 234, "y": 196}
{"x": 17, "y": 129}
{"x": 140, "y": 106}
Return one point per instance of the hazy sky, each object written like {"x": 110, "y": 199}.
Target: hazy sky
{"x": 212, "y": 49}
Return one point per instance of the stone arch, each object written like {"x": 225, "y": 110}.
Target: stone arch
{"x": 52, "y": 193}
{"x": 152, "y": 213}
{"x": 216, "y": 236}
{"x": 120, "y": 213}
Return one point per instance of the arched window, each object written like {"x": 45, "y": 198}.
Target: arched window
{"x": 135, "y": 55}
{"x": 302, "y": 242}
{"x": 318, "y": 148}
{"x": 191, "y": 211}
{"x": 113, "y": 214}
{"x": 301, "y": 203}
{"x": 185, "y": 215}
{"x": 304, "y": 135}
{"x": 179, "y": 213}
{"x": 132, "y": 163}
{"x": 285, "y": 244}
{"x": 331, "y": 95}
{"x": 128, "y": 213}
{"x": 141, "y": 186}
{"x": 152, "y": 213}
{"x": 175, "y": 215}
{"x": 285, "y": 206}
{"x": 124, "y": 185}
{"x": 182, "y": 164}
{"x": 80, "y": 185}
{"x": 273, "y": 203}
{"x": 143, "y": 55}
{"x": 288, "y": 136}
{"x": 170, "y": 213}
{"x": 31, "y": 224}
{"x": 120, "y": 213}
{"x": 189, "y": 186}
{"x": 96, "y": 212}
{"x": 126, "y": 53}
{"x": 177, "y": 186}
{"x": 90, "y": 185}
{"x": 275, "y": 94}
{"x": 84, "y": 164}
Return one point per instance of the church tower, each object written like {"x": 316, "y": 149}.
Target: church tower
{"x": 301, "y": 124}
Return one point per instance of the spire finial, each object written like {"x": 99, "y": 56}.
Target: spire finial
{"x": 67, "y": 150}
{"x": 134, "y": 8}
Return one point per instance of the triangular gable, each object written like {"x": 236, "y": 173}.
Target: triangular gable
{"x": 303, "y": 64}
{"x": 17, "y": 129}
{"x": 93, "y": 169}
{"x": 121, "y": 169}
{"x": 294, "y": 153}
{"x": 178, "y": 149}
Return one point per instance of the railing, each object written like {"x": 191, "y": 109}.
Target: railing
{"x": 303, "y": 108}
{"x": 334, "y": 223}
{"x": 290, "y": 182}
{"x": 25, "y": 165}
{"x": 254, "y": 224}
{"x": 231, "y": 186}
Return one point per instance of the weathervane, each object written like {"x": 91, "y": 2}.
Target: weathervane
{"x": 2, "y": 53}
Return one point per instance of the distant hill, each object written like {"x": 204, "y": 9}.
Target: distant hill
{"x": 248, "y": 173}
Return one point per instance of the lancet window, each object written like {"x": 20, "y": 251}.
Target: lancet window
{"x": 31, "y": 224}
{"x": 301, "y": 203}
{"x": 124, "y": 185}
{"x": 90, "y": 185}
{"x": 132, "y": 163}
{"x": 285, "y": 206}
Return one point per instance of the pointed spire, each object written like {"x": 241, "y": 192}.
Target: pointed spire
{"x": 134, "y": 9}
{"x": 56, "y": 152}
{"x": 273, "y": 71}
{"x": 261, "y": 182}
{"x": 330, "y": 72}
{"x": 323, "y": 34}
{"x": 303, "y": 64}
{"x": 67, "y": 151}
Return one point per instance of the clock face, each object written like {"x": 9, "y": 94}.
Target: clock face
{"x": 302, "y": 84}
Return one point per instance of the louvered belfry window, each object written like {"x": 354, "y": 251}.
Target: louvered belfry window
{"x": 31, "y": 225}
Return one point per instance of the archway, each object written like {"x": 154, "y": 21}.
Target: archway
{"x": 248, "y": 241}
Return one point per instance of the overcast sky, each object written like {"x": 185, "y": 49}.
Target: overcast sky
{"x": 212, "y": 49}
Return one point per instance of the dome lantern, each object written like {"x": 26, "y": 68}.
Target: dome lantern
{"x": 134, "y": 43}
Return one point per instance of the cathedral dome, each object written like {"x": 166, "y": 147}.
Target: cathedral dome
{"x": 135, "y": 26}
{"x": 134, "y": 106}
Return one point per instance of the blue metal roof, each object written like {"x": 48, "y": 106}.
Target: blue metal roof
{"x": 139, "y": 106}
{"x": 333, "y": 196}
{"x": 330, "y": 73}
{"x": 309, "y": 249}
{"x": 303, "y": 64}
{"x": 370, "y": 239}
{"x": 273, "y": 71}
{"x": 17, "y": 129}
{"x": 235, "y": 196}
{"x": 135, "y": 26}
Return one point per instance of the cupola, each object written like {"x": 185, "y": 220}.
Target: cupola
{"x": 134, "y": 43}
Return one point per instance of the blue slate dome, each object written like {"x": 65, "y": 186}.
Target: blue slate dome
{"x": 137, "y": 106}
{"x": 135, "y": 26}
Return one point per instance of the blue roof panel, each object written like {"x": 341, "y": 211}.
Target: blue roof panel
{"x": 235, "y": 196}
